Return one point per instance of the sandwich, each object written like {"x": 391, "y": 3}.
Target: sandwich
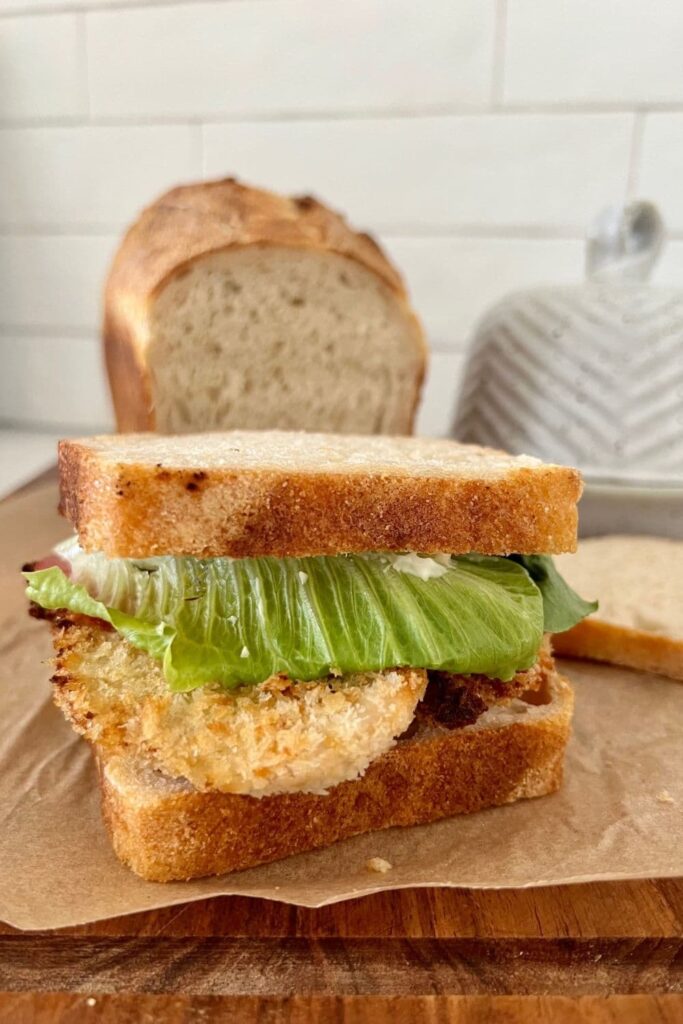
{"x": 274, "y": 641}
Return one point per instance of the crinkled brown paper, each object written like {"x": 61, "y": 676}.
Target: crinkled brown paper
{"x": 618, "y": 815}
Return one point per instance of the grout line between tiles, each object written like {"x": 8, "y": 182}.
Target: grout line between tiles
{"x": 429, "y": 111}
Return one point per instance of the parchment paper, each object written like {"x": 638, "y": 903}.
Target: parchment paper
{"x": 618, "y": 815}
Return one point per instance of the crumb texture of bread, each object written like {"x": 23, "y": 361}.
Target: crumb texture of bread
{"x": 165, "y": 829}
{"x": 638, "y": 582}
{"x": 254, "y": 493}
{"x": 229, "y": 306}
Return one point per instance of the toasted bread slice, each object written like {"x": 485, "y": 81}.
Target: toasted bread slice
{"x": 638, "y": 582}
{"x": 251, "y": 493}
{"x": 165, "y": 829}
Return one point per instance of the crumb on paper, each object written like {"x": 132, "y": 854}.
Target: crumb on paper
{"x": 665, "y": 797}
{"x": 378, "y": 864}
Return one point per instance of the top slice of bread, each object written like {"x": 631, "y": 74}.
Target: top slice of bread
{"x": 229, "y": 306}
{"x": 255, "y": 493}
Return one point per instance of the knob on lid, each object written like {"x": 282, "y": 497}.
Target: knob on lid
{"x": 624, "y": 242}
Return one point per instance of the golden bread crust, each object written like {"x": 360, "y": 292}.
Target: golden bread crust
{"x": 475, "y": 500}
{"x": 192, "y": 221}
{"x": 621, "y": 645}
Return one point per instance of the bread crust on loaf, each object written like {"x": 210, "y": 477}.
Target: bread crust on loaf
{"x": 621, "y": 645}
{"x": 131, "y": 508}
{"x": 192, "y": 221}
{"x": 165, "y": 830}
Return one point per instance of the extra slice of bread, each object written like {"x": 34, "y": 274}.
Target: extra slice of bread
{"x": 278, "y": 493}
{"x": 639, "y": 584}
{"x": 166, "y": 830}
{"x": 229, "y": 306}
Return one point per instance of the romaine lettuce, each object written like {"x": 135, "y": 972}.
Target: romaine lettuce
{"x": 238, "y": 621}
{"x": 562, "y": 606}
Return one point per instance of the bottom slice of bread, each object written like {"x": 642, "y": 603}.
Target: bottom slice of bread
{"x": 166, "y": 830}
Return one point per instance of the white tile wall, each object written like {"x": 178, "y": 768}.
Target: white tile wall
{"x": 90, "y": 175}
{"x": 661, "y": 165}
{"x": 477, "y": 138}
{"x": 452, "y": 280}
{"x": 52, "y": 281}
{"x": 56, "y": 381}
{"x": 289, "y": 56}
{"x": 438, "y": 172}
{"x": 622, "y": 52}
{"x": 43, "y": 61}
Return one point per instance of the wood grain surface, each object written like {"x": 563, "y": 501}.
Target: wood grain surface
{"x": 604, "y": 953}
{"x": 64, "y": 1008}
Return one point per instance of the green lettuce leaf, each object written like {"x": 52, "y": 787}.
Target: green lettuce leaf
{"x": 50, "y": 588}
{"x": 239, "y": 621}
{"x": 562, "y": 606}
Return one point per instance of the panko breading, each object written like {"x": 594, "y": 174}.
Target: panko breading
{"x": 281, "y": 736}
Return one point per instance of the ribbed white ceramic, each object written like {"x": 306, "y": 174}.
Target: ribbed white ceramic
{"x": 590, "y": 375}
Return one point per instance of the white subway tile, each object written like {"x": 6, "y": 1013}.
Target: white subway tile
{"x": 661, "y": 166}
{"x": 289, "y": 55}
{"x": 586, "y": 52}
{"x": 436, "y": 172}
{"x": 53, "y": 281}
{"x": 89, "y": 175}
{"x": 452, "y": 281}
{"x": 439, "y": 397}
{"x": 43, "y": 68}
{"x": 53, "y": 381}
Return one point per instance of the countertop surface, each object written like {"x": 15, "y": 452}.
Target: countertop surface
{"x": 23, "y": 455}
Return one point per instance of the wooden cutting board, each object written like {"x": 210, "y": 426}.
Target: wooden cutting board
{"x": 604, "y": 952}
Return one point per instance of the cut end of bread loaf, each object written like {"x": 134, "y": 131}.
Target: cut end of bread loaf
{"x": 166, "y": 830}
{"x": 250, "y": 494}
{"x": 271, "y": 336}
{"x": 229, "y": 306}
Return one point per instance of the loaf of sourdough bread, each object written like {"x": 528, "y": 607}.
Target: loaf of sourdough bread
{"x": 228, "y": 306}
